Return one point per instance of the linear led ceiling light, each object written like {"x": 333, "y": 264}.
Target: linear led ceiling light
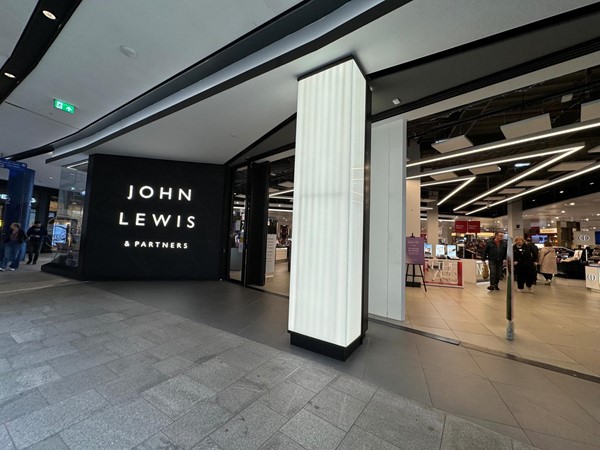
{"x": 456, "y": 190}
{"x": 277, "y": 194}
{"x": 543, "y": 186}
{"x": 508, "y": 142}
{"x": 569, "y": 151}
{"x": 535, "y": 154}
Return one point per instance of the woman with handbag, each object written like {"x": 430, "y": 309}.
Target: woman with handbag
{"x": 524, "y": 264}
{"x": 547, "y": 262}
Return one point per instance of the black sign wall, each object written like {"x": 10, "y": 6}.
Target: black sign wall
{"x": 148, "y": 218}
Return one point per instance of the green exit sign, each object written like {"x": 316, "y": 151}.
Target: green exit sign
{"x": 64, "y": 106}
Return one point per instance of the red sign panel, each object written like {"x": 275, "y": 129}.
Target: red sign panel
{"x": 460, "y": 226}
{"x": 473, "y": 227}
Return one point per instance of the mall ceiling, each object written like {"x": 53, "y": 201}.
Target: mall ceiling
{"x": 221, "y": 81}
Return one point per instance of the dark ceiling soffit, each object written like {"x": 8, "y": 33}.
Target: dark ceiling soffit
{"x": 37, "y": 37}
{"x": 262, "y": 139}
{"x": 507, "y": 74}
{"x": 348, "y": 27}
{"x": 515, "y": 32}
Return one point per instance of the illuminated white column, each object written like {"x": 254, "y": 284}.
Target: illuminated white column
{"x": 326, "y": 281}
{"x": 413, "y": 207}
{"x": 388, "y": 225}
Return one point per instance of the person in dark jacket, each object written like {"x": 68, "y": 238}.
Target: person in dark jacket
{"x": 495, "y": 253}
{"x": 524, "y": 264}
{"x": 535, "y": 251}
{"x": 37, "y": 235}
{"x": 12, "y": 247}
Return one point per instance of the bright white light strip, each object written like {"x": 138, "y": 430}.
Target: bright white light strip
{"x": 537, "y": 188}
{"x": 276, "y": 194}
{"x": 536, "y": 154}
{"x": 458, "y": 189}
{"x": 326, "y": 280}
{"x": 72, "y": 166}
{"x": 525, "y": 174}
{"x": 507, "y": 143}
{"x": 452, "y": 180}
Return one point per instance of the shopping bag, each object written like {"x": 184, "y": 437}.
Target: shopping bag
{"x": 485, "y": 273}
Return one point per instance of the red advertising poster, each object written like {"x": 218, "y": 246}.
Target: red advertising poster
{"x": 473, "y": 226}
{"x": 415, "y": 250}
{"x": 460, "y": 226}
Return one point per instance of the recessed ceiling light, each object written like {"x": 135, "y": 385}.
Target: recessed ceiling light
{"x": 572, "y": 204}
{"x": 591, "y": 183}
{"x": 128, "y": 51}
{"x": 522, "y": 164}
{"x": 52, "y": 178}
{"x": 561, "y": 192}
{"x": 49, "y": 15}
{"x": 9, "y": 75}
{"x": 562, "y": 212}
{"x": 396, "y": 101}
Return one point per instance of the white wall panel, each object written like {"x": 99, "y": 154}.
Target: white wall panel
{"x": 326, "y": 276}
{"x": 387, "y": 224}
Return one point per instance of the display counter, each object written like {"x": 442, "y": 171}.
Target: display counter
{"x": 472, "y": 271}
{"x": 281, "y": 253}
{"x": 444, "y": 272}
{"x": 572, "y": 269}
{"x": 592, "y": 277}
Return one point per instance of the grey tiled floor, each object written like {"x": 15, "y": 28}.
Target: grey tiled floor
{"x": 198, "y": 365}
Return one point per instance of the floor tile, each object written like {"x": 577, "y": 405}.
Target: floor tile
{"x": 41, "y": 355}
{"x": 82, "y": 360}
{"x": 469, "y": 396}
{"x": 550, "y": 414}
{"x": 243, "y": 358}
{"x": 177, "y": 396}
{"x": 37, "y": 426}
{"x": 5, "y": 440}
{"x": 460, "y": 434}
{"x": 337, "y": 408}
{"x": 5, "y": 366}
{"x": 312, "y": 432}
{"x": 274, "y": 371}
{"x": 193, "y": 427}
{"x": 280, "y": 441}
{"x": 249, "y": 429}
{"x": 287, "y": 398}
{"x": 18, "y": 381}
{"x": 129, "y": 346}
{"x": 313, "y": 377}
{"x": 546, "y": 442}
{"x": 60, "y": 390}
{"x": 173, "y": 366}
{"x": 131, "y": 384}
{"x": 52, "y": 443}
{"x": 215, "y": 374}
{"x": 515, "y": 433}
{"x": 122, "y": 426}
{"x": 21, "y": 404}
{"x": 158, "y": 442}
{"x": 126, "y": 363}
{"x": 359, "y": 439}
{"x": 207, "y": 444}
{"x": 356, "y": 388}
{"x": 402, "y": 422}
{"x": 240, "y": 395}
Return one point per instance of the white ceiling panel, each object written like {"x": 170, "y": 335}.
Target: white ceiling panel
{"x": 485, "y": 169}
{"x": 590, "y": 110}
{"x": 444, "y": 176}
{"x": 85, "y": 67}
{"x": 528, "y": 183}
{"x": 570, "y": 166}
{"x": 450, "y": 145}
{"x": 527, "y": 126}
{"x": 22, "y": 130}
{"x": 511, "y": 191}
{"x": 14, "y": 15}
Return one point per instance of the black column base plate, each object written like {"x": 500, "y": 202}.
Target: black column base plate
{"x": 323, "y": 347}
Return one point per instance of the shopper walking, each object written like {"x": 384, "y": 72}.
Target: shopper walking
{"x": 37, "y": 235}
{"x": 495, "y": 252}
{"x": 525, "y": 261}
{"x": 547, "y": 262}
{"x": 12, "y": 247}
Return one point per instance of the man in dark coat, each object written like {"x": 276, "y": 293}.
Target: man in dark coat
{"x": 495, "y": 253}
{"x": 37, "y": 235}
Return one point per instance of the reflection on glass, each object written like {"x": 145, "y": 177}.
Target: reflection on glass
{"x": 237, "y": 224}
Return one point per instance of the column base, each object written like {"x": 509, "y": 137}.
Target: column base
{"x": 324, "y": 348}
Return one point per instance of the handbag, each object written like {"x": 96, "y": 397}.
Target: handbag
{"x": 485, "y": 273}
